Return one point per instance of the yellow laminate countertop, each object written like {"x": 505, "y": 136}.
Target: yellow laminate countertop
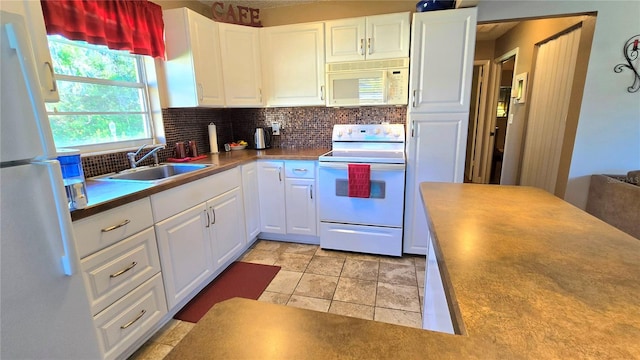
{"x": 532, "y": 277}
{"x": 533, "y": 274}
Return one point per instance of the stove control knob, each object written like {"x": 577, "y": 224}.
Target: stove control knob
{"x": 349, "y": 131}
{"x": 339, "y": 133}
{"x": 387, "y": 131}
{"x": 377, "y": 131}
{"x": 396, "y": 134}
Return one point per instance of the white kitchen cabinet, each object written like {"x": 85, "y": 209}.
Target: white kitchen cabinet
{"x": 121, "y": 269}
{"x": 272, "y": 197}
{"x": 225, "y": 229}
{"x": 185, "y": 252}
{"x": 442, "y": 51}
{"x": 300, "y": 194}
{"x": 293, "y": 64}
{"x": 32, "y": 11}
{"x": 251, "y": 198}
{"x": 435, "y": 314}
{"x": 193, "y": 68}
{"x": 441, "y": 66}
{"x": 371, "y": 38}
{"x": 241, "y": 62}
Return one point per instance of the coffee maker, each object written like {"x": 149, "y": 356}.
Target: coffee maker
{"x": 73, "y": 177}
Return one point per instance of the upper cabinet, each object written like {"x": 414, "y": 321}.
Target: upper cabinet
{"x": 193, "y": 68}
{"x": 34, "y": 20}
{"x": 241, "y": 61}
{"x": 442, "y": 50}
{"x": 372, "y": 37}
{"x": 293, "y": 63}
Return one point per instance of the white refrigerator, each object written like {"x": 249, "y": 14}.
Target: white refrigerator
{"x": 44, "y": 309}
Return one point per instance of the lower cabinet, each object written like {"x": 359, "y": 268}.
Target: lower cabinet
{"x": 288, "y": 201}
{"x": 250, "y": 192}
{"x": 185, "y": 252}
{"x": 197, "y": 242}
{"x": 436, "y": 315}
{"x": 301, "y": 206}
{"x": 272, "y": 202}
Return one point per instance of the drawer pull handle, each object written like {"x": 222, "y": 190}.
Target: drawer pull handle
{"x": 208, "y": 218}
{"x": 133, "y": 264}
{"x": 111, "y": 228}
{"x": 134, "y": 320}
{"x": 301, "y": 170}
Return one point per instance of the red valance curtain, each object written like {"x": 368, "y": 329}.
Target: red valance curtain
{"x": 133, "y": 25}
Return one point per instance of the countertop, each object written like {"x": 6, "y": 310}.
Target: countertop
{"x": 531, "y": 277}
{"x": 106, "y": 195}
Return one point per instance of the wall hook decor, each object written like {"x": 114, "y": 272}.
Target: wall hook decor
{"x": 631, "y": 53}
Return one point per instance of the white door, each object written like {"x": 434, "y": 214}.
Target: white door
{"x": 251, "y": 199}
{"x": 549, "y": 104}
{"x": 345, "y": 39}
{"x": 442, "y": 51}
{"x": 272, "y": 197}
{"x": 387, "y": 36}
{"x": 293, "y": 61}
{"x": 436, "y": 152}
{"x": 227, "y": 222}
{"x": 205, "y": 44}
{"x": 301, "y": 206}
{"x": 185, "y": 252}
{"x": 240, "y": 51}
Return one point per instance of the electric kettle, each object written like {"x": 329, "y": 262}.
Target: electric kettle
{"x": 262, "y": 138}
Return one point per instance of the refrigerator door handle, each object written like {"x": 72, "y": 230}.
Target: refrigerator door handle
{"x": 62, "y": 210}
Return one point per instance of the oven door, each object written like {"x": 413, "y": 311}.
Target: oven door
{"x": 384, "y": 207}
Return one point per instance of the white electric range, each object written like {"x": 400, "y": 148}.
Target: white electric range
{"x": 373, "y": 224}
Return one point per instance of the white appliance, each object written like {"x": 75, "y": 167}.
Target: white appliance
{"x": 373, "y": 224}
{"x": 370, "y": 82}
{"x": 44, "y": 310}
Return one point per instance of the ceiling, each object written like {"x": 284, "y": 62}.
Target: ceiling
{"x": 485, "y": 32}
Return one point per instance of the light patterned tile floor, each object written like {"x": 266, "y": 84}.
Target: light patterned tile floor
{"x": 381, "y": 288}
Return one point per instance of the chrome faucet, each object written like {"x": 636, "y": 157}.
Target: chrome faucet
{"x": 132, "y": 156}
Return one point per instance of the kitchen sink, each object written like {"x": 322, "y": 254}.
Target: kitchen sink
{"x": 152, "y": 174}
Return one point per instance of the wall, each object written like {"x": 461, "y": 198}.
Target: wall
{"x": 329, "y": 10}
{"x": 608, "y": 132}
{"x": 304, "y": 127}
{"x": 485, "y": 50}
{"x": 191, "y": 4}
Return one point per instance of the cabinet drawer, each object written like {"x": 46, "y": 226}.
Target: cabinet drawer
{"x": 99, "y": 231}
{"x": 128, "y": 319}
{"x": 111, "y": 273}
{"x": 300, "y": 169}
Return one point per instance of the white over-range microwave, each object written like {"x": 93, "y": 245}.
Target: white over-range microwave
{"x": 370, "y": 82}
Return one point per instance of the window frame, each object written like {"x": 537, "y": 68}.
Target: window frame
{"x": 147, "y": 82}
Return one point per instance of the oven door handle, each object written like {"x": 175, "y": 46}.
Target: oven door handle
{"x": 374, "y": 166}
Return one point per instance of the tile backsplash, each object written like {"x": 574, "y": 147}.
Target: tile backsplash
{"x": 302, "y": 127}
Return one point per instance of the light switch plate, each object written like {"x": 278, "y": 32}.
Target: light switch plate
{"x": 275, "y": 126}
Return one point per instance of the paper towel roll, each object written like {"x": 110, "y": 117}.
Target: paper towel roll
{"x": 213, "y": 138}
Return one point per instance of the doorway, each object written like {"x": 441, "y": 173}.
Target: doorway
{"x": 499, "y": 133}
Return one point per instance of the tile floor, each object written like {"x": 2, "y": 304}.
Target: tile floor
{"x": 380, "y": 288}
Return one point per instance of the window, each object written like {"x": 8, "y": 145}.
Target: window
{"x": 104, "y": 101}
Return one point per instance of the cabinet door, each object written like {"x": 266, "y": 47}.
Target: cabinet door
{"x": 193, "y": 69}
{"x": 251, "y": 201}
{"x": 293, "y": 62}
{"x": 185, "y": 252}
{"x": 272, "y": 204}
{"x": 345, "y": 39}
{"x": 301, "y": 206}
{"x": 240, "y": 50}
{"x": 32, "y": 11}
{"x": 442, "y": 50}
{"x": 227, "y": 222}
{"x": 436, "y": 152}
{"x": 387, "y": 36}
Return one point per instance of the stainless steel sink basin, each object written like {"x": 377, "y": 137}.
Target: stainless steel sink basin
{"x": 152, "y": 174}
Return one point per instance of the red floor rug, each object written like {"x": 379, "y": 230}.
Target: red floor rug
{"x": 240, "y": 279}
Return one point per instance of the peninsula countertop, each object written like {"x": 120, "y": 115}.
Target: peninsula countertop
{"x": 105, "y": 195}
{"x": 532, "y": 277}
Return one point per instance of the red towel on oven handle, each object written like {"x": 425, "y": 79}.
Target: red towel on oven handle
{"x": 359, "y": 180}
